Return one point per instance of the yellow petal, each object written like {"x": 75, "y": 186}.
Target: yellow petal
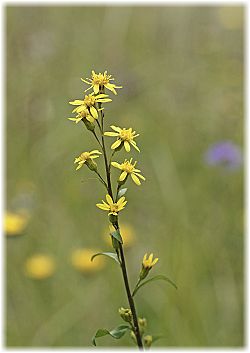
{"x": 76, "y": 102}
{"x": 155, "y": 261}
{"x": 96, "y": 88}
{"x": 140, "y": 176}
{"x": 135, "y": 179}
{"x": 111, "y": 133}
{"x": 103, "y": 206}
{"x": 123, "y": 175}
{"x": 133, "y": 143}
{"x": 116, "y": 144}
{"x": 127, "y": 146}
{"x": 109, "y": 199}
{"x": 90, "y": 118}
{"x": 93, "y": 112}
{"x": 95, "y": 151}
{"x": 121, "y": 200}
{"x": 116, "y": 128}
{"x": 116, "y": 165}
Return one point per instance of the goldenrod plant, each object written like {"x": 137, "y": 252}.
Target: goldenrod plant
{"x": 90, "y": 111}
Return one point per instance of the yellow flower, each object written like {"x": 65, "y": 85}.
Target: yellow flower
{"x": 125, "y": 136}
{"x": 99, "y": 81}
{"x": 111, "y": 206}
{"x": 81, "y": 115}
{"x": 81, "y": 260}
{"x": 87, "y": 157}
{"x": 39, "y": 266}
{"x": 149, "y": 263}
{"x": 129, "y": 169}
{"x": 89, "y": 103}
{"x": 127, "y": 232}
{"x": 15, "y": 223}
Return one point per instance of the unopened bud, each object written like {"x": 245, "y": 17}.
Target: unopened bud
{"x": 91, "y": 164}
{"x": 142, "y": 325}
{"x": 90, "y": 126}
{"x": 126, "y": 314}
{"x": 113, "y": 219}
{"x": 148, "y": 340}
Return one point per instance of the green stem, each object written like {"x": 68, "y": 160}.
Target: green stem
{"x": 120, "y": 251}
{"x": 102, "y": 180}
{"x": 129, "y": 295}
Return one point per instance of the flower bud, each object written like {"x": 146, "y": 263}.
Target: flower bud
{"x": 132, "y": 334}
{"x": 91, "y": 164}
{"x": 148, "y": 340}
{"x": 126, "y": 314}
{"x": 142, "y": 325}
{"x": 113, "y": 219}
{"x": 147, "y": 264}
{"x": 90, "y": 126}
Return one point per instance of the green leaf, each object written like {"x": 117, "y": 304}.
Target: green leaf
{"x": 155, "y": 278}
{"x": 116, "y": 234}
{"x": 122, "y": 192}
{"x": 116, "y": 333}
{"x": 112, "y": 255}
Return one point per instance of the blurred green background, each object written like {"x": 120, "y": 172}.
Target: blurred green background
{"x": 182, "y": 73}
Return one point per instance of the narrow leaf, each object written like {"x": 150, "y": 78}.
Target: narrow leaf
{"x": 116, "y": 234}
{"x": 155, "y": 278}
{"x": 116, "y": 333}
{"x": 122, "y": 192}
{"x": 112, "y": 255}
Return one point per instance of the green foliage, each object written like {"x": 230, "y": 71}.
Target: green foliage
{"x": 112, "y": 255}
{"x": 116, "y": 234}
{"x": 155, "y": 278}
{"x": 116, "y": 333}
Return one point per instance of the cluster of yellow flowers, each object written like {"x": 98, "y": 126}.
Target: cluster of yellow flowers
{"x": 89, "y": 110}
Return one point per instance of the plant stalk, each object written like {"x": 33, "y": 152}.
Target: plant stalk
{"x": 122, "y": 257}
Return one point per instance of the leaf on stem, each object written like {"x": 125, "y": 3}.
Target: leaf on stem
{"x": 155, "y": 278}
{"x": 122, "y": 192}
{"x": 116, "y": 234}
{"x": 112, "y": 255}
{"x": 116, "y": 333}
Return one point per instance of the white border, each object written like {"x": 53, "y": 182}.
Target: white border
{"x": 247, "y": 149}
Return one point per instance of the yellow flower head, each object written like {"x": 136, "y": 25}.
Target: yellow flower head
{"x": 39, "y": 266}
{"x": 89, "y": 104}
{"x": 86, "y": 157}
{"x": 81, "y": 260}
{"x": 128, "y": 168}
{"x": 125, "y": 136}
{"x": 15, "y": 223}
{"x": 111, "y": 206}
{"x": 127, "y": 231}
{"x": 84, "y": 113}
{"x": 99, "y": 81}
{"x": 149, "y": 263}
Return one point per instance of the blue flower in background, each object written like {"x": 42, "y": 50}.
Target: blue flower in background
{"x": 225, "y": 154}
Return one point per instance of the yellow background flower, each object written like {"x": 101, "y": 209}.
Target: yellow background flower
{"x": 81, "y": 260}
{"x": 39, "y": 266}
{"x": 127, "y": 232}
{"x": 15, "y": 223}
